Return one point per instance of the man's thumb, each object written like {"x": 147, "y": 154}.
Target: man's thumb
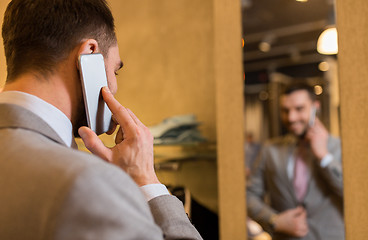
{"x": 298, "y": 210}
{"x": 93, "y": 143}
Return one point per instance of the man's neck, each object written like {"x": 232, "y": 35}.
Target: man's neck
{"x": 52, "y": 90}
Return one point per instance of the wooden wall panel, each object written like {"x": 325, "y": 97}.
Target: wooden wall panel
{"x": 352, "y": 23}
{"x": 230, "y": 119}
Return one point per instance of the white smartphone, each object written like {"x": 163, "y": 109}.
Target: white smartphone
{"x": 312, "y": 117}
{"x": 93, "y": 78}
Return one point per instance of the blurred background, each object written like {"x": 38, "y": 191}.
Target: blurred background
{"x": 280, "y": 46}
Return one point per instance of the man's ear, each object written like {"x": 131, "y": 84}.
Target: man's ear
{"x": 88, "y": 46}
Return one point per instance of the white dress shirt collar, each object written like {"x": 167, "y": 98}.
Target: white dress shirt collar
{"x": 55, "y": 118}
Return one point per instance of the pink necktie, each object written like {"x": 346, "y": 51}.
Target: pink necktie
{"x": 300, "y": 177}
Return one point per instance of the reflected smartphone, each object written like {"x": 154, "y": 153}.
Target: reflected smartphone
{"x": 312, "y": 117}
{"x": 93, "y": 78}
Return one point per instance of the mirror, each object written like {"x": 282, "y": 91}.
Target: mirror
{"x": 280, "y": 48}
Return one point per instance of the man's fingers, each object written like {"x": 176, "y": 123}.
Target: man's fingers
{"x": 300, "y": 220}
{"x": 319, "y": 125}
{"x": 120, "y": 113}
{"x": 317, "y": 121}
{"x": 94, "y": 144}
{"x": 303, "y": 213}
{"x": 298, "y": 210}
{"x": 303, "y": 228}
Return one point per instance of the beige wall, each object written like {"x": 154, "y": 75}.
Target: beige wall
{"x": 166, "y": 47}
{"x": 230, "y": 118}
{"x": 352, "y": 23}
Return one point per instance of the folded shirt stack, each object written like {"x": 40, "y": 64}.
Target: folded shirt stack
{"x": 177, "y": 130}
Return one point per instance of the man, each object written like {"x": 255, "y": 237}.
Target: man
{"x": 300, "y": 175}
{"x": 48, "y": 189}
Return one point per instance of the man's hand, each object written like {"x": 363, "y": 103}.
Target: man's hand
{"x": 133, "y": 151}
{"x": 318, "y": 137}
{"x": 292, "y": 222}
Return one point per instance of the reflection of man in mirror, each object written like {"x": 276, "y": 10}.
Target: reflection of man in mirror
{"x": 299, "y": 174}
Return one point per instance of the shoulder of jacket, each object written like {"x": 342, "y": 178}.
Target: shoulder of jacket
{"x": 280, "y": 141}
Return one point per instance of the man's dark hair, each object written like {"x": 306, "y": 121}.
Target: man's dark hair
{"x": 39, "y": 34}
{"x": 297, "y": 86}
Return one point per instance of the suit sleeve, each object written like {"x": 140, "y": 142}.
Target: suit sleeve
{"x": 104, "y": 203}
{"x": 169, "y": 214}
{"x": 332, "y": 173}
{"x": 257, "y": 209}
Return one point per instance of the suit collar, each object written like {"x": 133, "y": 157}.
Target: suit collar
{"x": 13, "y": 116}
{"x": 55, "y": 118}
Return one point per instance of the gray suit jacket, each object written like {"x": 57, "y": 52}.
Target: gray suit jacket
{"x": 324, "y": 199}
{"x": 50, "y": 191}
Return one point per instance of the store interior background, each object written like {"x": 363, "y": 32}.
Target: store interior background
{"x": 186, "y": 57}
{"x": 281, "y": 47}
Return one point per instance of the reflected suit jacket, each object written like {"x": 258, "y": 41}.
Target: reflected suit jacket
{"x": 50, "y": 191}
{"x": 270, "y": 183}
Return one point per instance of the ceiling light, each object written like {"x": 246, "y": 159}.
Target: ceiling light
{"x": 264, "y": 46}
{"x": 318, "y": 90}
{"x": 323, "y": 66}
{"x": 302, "y": 0}
{"x": 327, "y": 42}
{"x": 267, "y": 41}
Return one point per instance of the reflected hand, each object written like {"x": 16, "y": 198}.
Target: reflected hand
{"x": 133, "y": 151}
{"x": 318, "y": 137}
{"x": 292, "y": 222}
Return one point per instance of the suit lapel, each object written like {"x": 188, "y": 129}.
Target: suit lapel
{"x": 13, "y": 116}
{"x": 312, "y": 171}
{"x": 286, "y": 155}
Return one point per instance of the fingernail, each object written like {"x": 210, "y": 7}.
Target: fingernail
{"x": 81, "y": 133}
{"x": 106, "y": 89}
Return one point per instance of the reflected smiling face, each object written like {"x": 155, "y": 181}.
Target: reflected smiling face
{"x": 296, "y": 110}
